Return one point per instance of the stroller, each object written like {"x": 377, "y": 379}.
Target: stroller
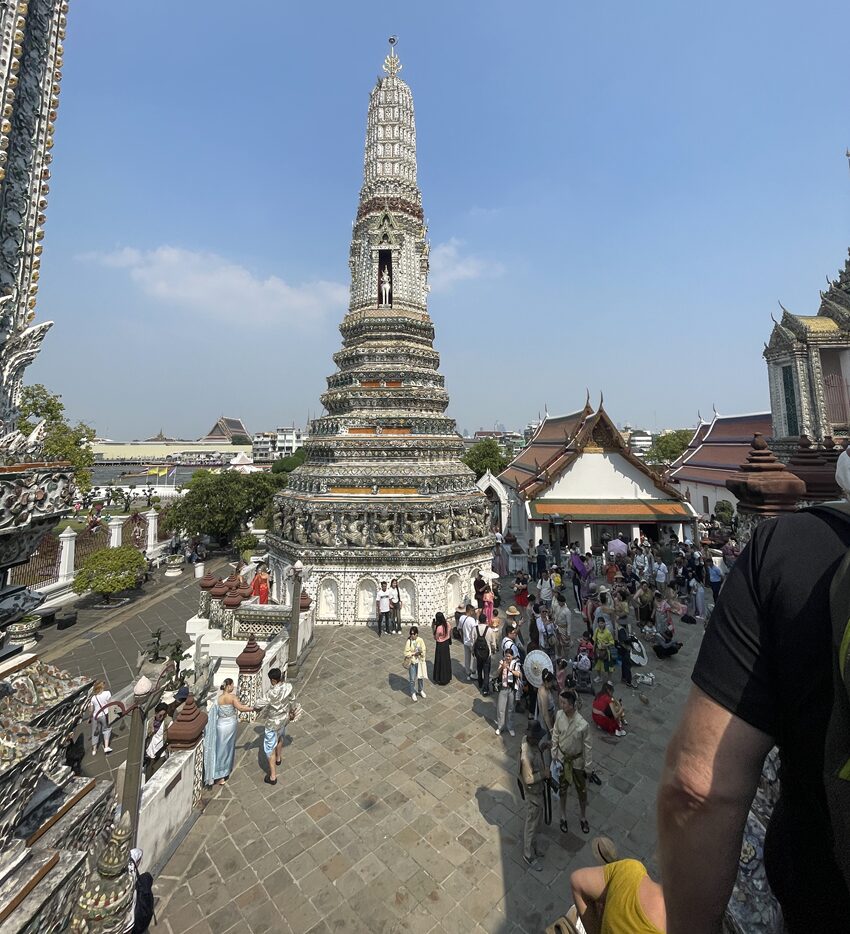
{"x": 583, "y": 667}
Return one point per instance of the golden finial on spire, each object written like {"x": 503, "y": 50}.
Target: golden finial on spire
{"x": 392, "y": 66}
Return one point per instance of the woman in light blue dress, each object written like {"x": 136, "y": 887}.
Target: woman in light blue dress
{"x": 220, "y": 734}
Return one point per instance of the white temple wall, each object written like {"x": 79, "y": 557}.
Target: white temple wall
{"x": 424, "y": 591}
{"x": 602, "y": 476}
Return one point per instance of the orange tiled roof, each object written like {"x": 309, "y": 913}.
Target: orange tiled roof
{"x": 634, "y": 510}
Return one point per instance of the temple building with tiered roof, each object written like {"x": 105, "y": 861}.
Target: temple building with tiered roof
{"x": 577, "y": 481}
{"x": 808, "y": 366}
{"x": 383, "y": 492}
{"x": 716, "y": 453}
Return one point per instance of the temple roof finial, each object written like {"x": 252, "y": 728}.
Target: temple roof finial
{"x": 392, "y": 66}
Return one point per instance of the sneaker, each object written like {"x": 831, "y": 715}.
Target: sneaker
{"x": 498, "y": 731}
{"x": 511, "y": 732}
{"x": 422, "y": 694}
{"x": 94, "y": 751}
{"x": 619, "y": 732}
{"x": 107, "y": 749}
{"x": 532, "y": 863}
{"x": 413, "y": 697}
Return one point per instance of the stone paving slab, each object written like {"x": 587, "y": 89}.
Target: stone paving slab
{"x": 391, "y": 816}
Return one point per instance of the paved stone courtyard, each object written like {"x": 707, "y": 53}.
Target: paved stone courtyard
{"x": 391, "y": 816}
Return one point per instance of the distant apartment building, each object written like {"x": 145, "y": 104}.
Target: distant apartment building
{"x": 289, "y": 440}
{"x": 267, "y": 446}
{"x": 638, "y": 439}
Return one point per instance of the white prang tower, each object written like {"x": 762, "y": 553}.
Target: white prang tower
{"x": 383, "y": 492}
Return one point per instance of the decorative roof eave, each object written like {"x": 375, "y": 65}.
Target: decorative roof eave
{"x": 596, "y": 427}
{"x": 553, "y": 462}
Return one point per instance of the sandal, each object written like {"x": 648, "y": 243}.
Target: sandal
{"x": 270, "y": 781}
{"x": 277, "y": 760}
{"x": 563, "y": 826}
{"x": 585, "y": 826}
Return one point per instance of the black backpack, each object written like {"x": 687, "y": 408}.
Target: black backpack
{"x": 143, "y": 912}
{"x": 480, "y": 648}
{"x": 836, "y": 760}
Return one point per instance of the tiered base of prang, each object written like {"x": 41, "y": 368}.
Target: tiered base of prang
{"x": 49, "y": 819}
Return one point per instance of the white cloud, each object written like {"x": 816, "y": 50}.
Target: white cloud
{"x": 449, "y": 265}
{"x": 211, "y": 285}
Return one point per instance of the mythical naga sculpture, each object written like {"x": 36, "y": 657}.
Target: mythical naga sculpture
{"x": 355, "y": 531}
{"x": 384, "y": 534}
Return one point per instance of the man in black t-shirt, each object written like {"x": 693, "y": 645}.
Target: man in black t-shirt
{"x": 764, "y": 677}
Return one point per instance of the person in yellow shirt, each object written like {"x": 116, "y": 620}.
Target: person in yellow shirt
{"x": 619, "y": 898}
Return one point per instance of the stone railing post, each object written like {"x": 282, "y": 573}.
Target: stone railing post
{"x": 206, "y": 584}
{"x": 217, "y": 593}
{"x": 116, "y": 523}
{"x": 250, "y": 687}
{"x": 153, "y": 531}
{"x": 229, "y": 605}
{"x": 187, "y": 732}
{"x": 67, "y": 552}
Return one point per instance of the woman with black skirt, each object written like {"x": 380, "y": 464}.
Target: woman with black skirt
{"x": 442, "y": 653}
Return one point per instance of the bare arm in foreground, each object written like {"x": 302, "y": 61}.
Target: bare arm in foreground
{"x": 712, "y": 769}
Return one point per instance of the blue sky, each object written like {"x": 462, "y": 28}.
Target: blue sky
{"x": 618, "y": 194}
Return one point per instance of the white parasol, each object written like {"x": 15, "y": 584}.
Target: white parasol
{"x": 536, "y": 663}
{"x": 637, "y": 652}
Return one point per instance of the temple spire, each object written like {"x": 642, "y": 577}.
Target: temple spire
{"x": 392, "y": 66}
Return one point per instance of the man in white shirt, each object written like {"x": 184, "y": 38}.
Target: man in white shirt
{"x": 467, "y": 627}
{"x": 545, "y": 590}
{"x": 382, "y": 603}
{"x": 660, "y": 576}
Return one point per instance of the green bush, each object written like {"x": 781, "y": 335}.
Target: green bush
{"x": 247, "y": 542}
{"x": 110, "y": 570}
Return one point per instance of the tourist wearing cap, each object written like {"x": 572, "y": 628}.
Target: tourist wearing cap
{"x": 442, "y": 650}
{"x": 220, "y": 734}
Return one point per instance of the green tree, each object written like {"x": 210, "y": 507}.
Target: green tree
{"x": 723, "y": 512}
{"x": 667, "y": 447}
{"x": 110, "y": 571}
{"x": 220, "y": 504}
{"x": 485, "y": 455}
{"x": 288, "y": 464}
{"x": 62, "y": 441}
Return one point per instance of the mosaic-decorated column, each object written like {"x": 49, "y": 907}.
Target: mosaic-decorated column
{"x": 250, "y": 687}
{"x": 187, "y": 732}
